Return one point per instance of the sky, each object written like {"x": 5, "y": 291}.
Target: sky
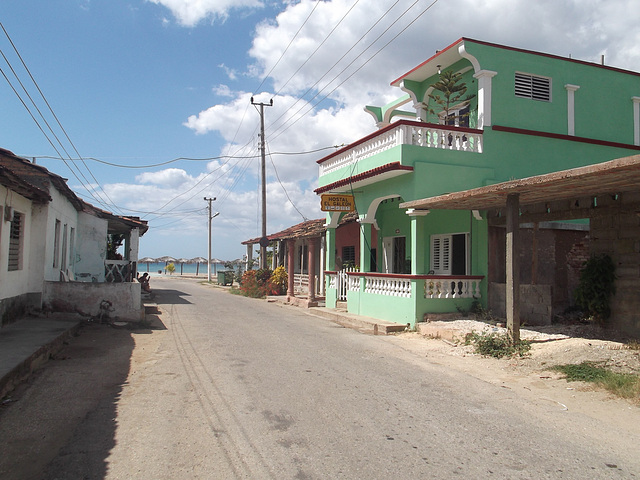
{"x": 145, "y": 105}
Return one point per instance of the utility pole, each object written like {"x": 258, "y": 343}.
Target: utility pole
{"x": 210, "y": 218}
{"x": 264, "y": 242}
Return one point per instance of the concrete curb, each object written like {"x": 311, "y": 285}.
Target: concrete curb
{"x": 41, "y": 353}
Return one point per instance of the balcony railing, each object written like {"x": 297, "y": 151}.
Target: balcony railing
{"x": 118, "y": 271}
{"x": 405, "y": 133}
{"x": 399, "y": 285}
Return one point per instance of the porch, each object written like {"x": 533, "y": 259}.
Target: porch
{"x": 402, "y": 298}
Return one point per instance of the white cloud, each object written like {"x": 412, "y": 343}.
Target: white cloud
{"x": 190, "y": 12}
{"x": 297, "y": 122}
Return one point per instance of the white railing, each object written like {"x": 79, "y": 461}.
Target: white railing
{"x": 394, "y": 287}
{"x": 403, "y": 133}
{"x": 452, "y": 287}
{"x": 118, "y": 271}
{"x": 301, "y": 283}
{"x": 341, "y": 283}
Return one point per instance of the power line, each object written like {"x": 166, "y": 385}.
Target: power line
{"x": 100, "y": 200}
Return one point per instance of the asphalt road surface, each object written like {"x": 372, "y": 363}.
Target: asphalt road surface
{"x": 238, "y": 388}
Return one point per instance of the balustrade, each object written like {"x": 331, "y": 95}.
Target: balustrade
{"x": 407, "y": 133}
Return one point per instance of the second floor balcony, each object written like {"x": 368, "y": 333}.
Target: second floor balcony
{"x": 404, "y": 132}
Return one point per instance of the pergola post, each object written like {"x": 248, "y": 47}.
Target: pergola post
{"x": 513, "y": 267}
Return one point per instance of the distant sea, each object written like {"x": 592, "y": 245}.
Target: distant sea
{"x": 158, "y": 269}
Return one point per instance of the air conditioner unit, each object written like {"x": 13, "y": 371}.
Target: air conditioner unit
{"x": 8, "y": 213}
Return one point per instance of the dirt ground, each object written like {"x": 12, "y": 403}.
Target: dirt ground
{"x": 551, "y": 345}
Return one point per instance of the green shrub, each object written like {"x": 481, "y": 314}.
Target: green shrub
{"x": 597, "y": 284}
{"x": 497, "y": 345}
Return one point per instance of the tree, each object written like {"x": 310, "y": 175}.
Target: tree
{"x": 454, "y": 96}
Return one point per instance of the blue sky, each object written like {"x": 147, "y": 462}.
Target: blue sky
{"x": 140, "y": 83}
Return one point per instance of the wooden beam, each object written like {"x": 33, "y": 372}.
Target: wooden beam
{"x": 513, "y": 267}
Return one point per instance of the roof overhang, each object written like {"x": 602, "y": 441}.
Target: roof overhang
{"x": 575, "y": 189}
{"x": 378, "y": 174}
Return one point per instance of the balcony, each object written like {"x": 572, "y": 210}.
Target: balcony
{"x": 404, "y": 132}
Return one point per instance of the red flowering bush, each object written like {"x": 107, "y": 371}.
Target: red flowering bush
{"x": 257, "y": 284}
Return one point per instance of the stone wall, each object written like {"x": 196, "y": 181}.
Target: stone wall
{"x": 535, "y": 303}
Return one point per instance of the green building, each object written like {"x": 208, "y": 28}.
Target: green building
{"x": 474, "y": 115}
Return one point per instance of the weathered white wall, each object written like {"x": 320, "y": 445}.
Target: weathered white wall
{"x": 91, "y": 248}
{"x": 86, "y": 298}
{"x": 58, "y": 209}
{"x": 15, "y": 282}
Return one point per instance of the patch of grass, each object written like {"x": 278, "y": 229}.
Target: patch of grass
{"x": 625, "y": 385}
{"x": 497, "y": 345}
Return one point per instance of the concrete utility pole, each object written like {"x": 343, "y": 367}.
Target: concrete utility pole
{"x": 264, "y": 242}
{"x": 210, "y": 218}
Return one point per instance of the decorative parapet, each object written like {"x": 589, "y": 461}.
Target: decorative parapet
{"x": 405, "y": 133}
{"x": 399, "y": 285}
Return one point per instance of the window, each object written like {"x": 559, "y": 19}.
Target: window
{"x": 15, "y": 242}
{"x": 349, "y": 256}
{"x": 72, "y": 244}
{"x": 56, "y": 245}
{"x": 449, "y": 254}
{"x": 458, "y": 117}
{"x": 534, "y": 87}
{"x": 63, "y": 267}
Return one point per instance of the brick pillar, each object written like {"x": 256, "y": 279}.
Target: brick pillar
{"x": 291, "y": 262}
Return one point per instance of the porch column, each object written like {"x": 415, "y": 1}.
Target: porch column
{"x": 513, "y": 267}
{"x": 249, "y": 256}
{"x": 311, "y": 259}
{"x": 418, "y": 240}
{"x": 331, "y": 248}
{"x": 365, "y": 247}
{"x": 636, "y": 120}
{"x": 291, "y": 263}
{"x": 484, "y": 97}
{"x": 571, "y": 107}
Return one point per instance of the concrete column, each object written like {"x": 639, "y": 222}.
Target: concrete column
{"x": 513, "y": 267}
{"x": 484, "y": 97}
{"x": 330, "y": 246}
{"x": 311, "y": 256}
{"x": 291, "y": 262}
{"x": 365, "y": 247}
{"x": 418, "y": 241}
{"x": 636, "y": 120}
{"x": 571, "y": 122}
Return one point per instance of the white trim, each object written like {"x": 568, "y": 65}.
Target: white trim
{"x": 571, "y": 114}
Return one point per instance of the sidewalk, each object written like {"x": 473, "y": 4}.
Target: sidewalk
{"x": 28, "y": 343}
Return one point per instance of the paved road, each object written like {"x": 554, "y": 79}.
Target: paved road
{"x": 239, "y": 388}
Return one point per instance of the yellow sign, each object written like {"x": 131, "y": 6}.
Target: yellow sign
{"x": 337, "y": 203}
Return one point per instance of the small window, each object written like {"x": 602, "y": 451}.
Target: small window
{"x": 349, "y": 256}
{"x": 15, "y": 242}
{"x": 531, "y": 86}
{"x": 56, "y": 244}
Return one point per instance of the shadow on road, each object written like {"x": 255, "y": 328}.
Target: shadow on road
{"x": 62, "y": 423}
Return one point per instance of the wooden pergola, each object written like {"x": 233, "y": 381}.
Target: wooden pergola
{"x": 583, "y": 192}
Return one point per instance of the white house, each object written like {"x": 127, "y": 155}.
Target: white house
{"x": 53, "y": 247}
